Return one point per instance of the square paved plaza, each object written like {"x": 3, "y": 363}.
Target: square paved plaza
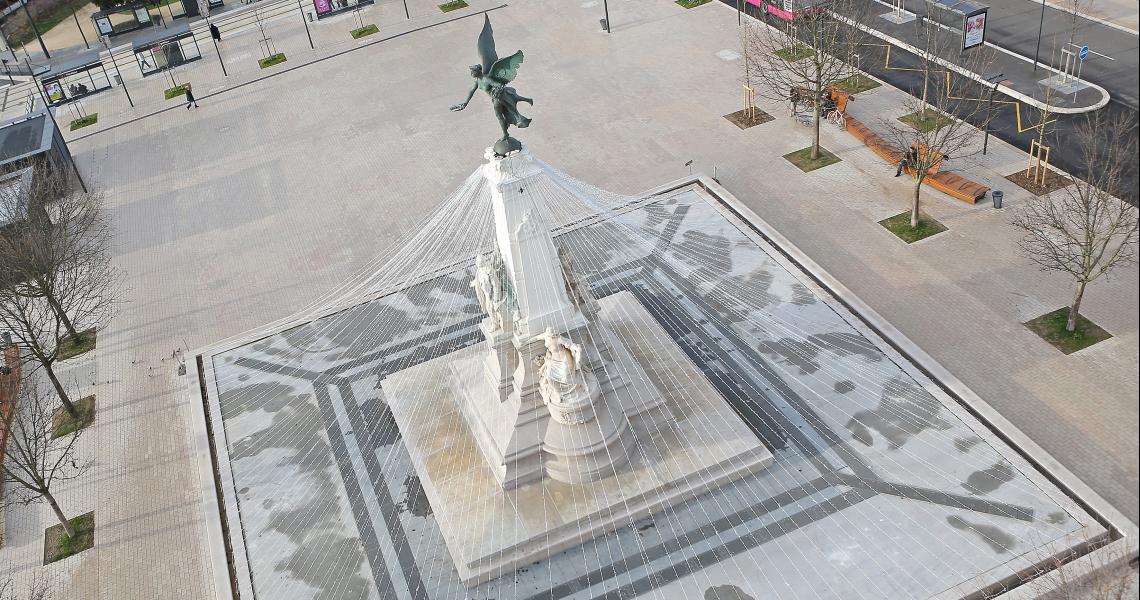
{"x": 882, "y": 485}
{"x": 284, "y": 185}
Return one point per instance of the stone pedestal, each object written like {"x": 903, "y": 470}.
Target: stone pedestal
{"x": 562, "y": 402}
{"x": 501, "y": 359}
{"x": 686, "y": 442}
{"x": 523, "y": 241}
{"x": 519, "y": 438}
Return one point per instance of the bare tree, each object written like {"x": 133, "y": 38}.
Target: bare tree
{"x": 38, "y": 331}
{"x": 940, "y": 113}
{"x": 1085, "y": 229}
{"x": 1075, "y": 8}
{"x": 801, "y": 59}
{"x": 1038, "y": 153}
{"x": 36, "y": 460}
{"x": 56, "y": 247}
{"x": 37, "y": 590}
{"x": 56, "y": 276}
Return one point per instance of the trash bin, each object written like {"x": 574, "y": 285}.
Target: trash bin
{"x": 997, "y": 194}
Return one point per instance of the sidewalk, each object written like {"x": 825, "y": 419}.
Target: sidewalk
{"x": 1122, "y": 14}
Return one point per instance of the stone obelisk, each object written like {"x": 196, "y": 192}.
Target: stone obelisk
{"x": 571, "y": 430}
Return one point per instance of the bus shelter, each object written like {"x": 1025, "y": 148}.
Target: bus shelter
{"x": 138, "y": 15}
{"x": 166, "y": 52}
{"x": 966, "y": 16}
{"x": 75, "y": 82}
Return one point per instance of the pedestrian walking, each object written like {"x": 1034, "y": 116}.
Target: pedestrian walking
{"x": 215, "y": 32}
{"x": 190, "y": 102}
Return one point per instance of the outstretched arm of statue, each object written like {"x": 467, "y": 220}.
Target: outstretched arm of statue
{"x": 470, "y": 94}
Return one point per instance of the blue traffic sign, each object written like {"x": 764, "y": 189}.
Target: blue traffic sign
{"x": 1084, "y": 52}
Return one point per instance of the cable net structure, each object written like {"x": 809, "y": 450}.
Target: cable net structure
{"x": 783, "y": 448}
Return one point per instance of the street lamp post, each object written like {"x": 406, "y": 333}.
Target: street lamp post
{"x": 407, "y": 15}
{"x": 118, "y": 74}
{"x": 606, "y": 8}
{"x": 996, "y": 79}
{"x": 6, "y": 43}
{"x": 217, "y": 49}
{"x": 81, "y": 31}
{"x": 1040, "y": 29}
{"x": 304, "y": 21}
{"x": 32, "y": 22}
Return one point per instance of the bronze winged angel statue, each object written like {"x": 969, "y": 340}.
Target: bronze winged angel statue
{"x": 492, "y": 76}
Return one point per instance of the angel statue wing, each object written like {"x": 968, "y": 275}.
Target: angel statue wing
{"x": 487, "y": 46}
{"x": 505, "y": 69}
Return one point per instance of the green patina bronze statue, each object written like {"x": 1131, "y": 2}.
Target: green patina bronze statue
{"x": 492, "y": 76}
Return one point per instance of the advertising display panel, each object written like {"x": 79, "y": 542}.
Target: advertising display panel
{"x": 974, "y": 30}
{"x": 53, "y": 91}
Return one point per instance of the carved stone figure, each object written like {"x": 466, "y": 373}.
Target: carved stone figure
{"x": 492, "y": 76}
{"x": 578, "y": 290}
{"x": 567, "y": 386}
{"x": 492, "y": 290}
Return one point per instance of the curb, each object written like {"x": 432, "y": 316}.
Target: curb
{"x": 1122, "y": 545}
{"x": 1008, "y": 91}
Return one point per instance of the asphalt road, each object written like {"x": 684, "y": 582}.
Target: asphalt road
{"x": 1013, "y": 25}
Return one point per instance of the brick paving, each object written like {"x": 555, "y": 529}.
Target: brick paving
{"x": 244, "y": 210}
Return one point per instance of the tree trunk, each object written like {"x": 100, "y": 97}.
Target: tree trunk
{"x": 925, "y": 78}
{"x": 1075, "y": 307}
{"x": 59, "y": 515}
{"x": 59, "y": 389}
{"x": 815, "y": 133}
{"x": 61, "y": 314}
{"x": 914, "y": 207}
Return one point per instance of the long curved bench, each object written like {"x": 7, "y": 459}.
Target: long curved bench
{"x": 950, "y": 184}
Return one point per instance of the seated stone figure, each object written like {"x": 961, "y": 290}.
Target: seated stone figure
{"x": 567, "y": 386}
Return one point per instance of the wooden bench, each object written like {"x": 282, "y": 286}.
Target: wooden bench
{"x": 957, "y": 186}
{"x": 948, "y": 183}
{"x": 873, "y": 141}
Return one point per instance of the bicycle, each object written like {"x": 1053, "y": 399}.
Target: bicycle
{"x": 805, "y": 118}
{"x": 837, "y": 118}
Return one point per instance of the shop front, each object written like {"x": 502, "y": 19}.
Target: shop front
{"x": 328, "y": 8}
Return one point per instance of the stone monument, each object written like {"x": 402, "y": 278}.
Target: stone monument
{"x": 568, "y": 420}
